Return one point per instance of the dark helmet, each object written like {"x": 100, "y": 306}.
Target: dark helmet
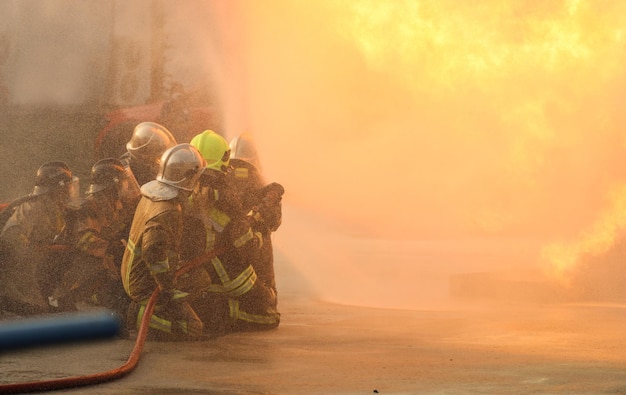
{"x": 52, "y": 176}
{"x": 149, "y": 141}
{"x": 111, "y": 173}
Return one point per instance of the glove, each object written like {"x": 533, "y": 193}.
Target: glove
{"x": 116, "y": 248}
{"x": 273, "y": 194}
{"x": 170, "y": 296}
{"x": 166, "y": 281}
{"x": 108, "y": 262}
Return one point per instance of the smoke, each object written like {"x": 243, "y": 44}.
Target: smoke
{"x": 494, "y": 127}
{"x": 42, "y": 58}
{"x": 416, "y": 140}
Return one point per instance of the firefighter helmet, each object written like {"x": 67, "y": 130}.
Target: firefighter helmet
{"x": 181, "y": 168}
{"x": 214, "y": 149}
{"x": 52, "y": 176}
{"x": 149, "y": 141}
{"x": 242, "y": 147}
{"x": 110, "y": 173}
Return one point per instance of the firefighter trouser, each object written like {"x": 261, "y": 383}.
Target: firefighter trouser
{"x": 175, "y": 320}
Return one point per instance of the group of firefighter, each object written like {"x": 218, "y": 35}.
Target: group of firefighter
{"x": 191, "y": 220}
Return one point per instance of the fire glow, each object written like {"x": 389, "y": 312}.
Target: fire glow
{"x": 438, "y": 120}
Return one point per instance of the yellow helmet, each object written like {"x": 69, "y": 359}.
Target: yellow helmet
{"x": 214, "y": 149}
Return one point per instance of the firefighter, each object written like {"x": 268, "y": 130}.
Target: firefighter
{"x": 153, "y": 250}
{"x": 26, "y": 240}
{"x": 96, "y": 233}
{"x": 236, "y": 301}
{"x": 261, "y": 202}
{"x": 144, "y": 149}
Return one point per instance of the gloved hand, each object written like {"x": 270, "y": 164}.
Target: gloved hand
{"x": 273, "y": 194}
{"x": 116, "y": 247}
{"x": 108, "y": 262}
{"x": 169, "y": 296}
{"x": 166, "y": 280}
{"x": 165, "y": 296}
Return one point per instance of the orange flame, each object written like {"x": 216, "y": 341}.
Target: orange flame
{"x": 563, "y": 258}
{"x": 426, "y": 119}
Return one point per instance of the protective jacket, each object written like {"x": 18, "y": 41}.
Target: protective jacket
{"x": 94, "y": 236}
{"x": 152, "y": 252}
{"x": 151, "y": 258}
{"x": 236, "y": 300}
{"x": 26, "y": 244}
{"x": 263, "y": 207}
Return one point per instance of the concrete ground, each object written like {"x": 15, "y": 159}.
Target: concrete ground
{"x": 503, "y": 348}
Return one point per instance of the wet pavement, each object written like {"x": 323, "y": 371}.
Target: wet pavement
{"x": 504, "y": 348}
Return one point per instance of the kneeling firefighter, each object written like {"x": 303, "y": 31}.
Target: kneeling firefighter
{"x": 153, "y": 251}
{"x": 30, "y": 264}
{"x": 261, "y": 201}
{"x": 236, "y": 301}
{"x": 94, "y": 234}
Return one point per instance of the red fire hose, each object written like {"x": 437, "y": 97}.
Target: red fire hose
{"x": 126, "y": 368}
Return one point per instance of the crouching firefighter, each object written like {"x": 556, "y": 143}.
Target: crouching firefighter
{"x": 30, "y": 263}
{"x": 261, "y": 202}
{"x": 95, "y": 233}
{"x": 236, "y": 300}
{"x": 153, "y": 251}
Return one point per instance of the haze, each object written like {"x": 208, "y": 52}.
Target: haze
{"x": 417, "y": 140}
{"x": 477, "y": 138}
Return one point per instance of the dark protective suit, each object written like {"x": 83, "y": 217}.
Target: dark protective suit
{"x": 151, "y": 259}
{"x": 27, "y": 257}
{"x": 262, "y": 205}
{"x": 236, "y": 299}
{"x": 95, "y": 234}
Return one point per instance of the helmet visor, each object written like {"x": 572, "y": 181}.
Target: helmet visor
{"x": 73, "y": 192}
{"x": 129, "y": 187}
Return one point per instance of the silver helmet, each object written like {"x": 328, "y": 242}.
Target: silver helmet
{"x": 242, "y": 147}
{"x": 149, "y": 141}
{"x": 180, "y": 169}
